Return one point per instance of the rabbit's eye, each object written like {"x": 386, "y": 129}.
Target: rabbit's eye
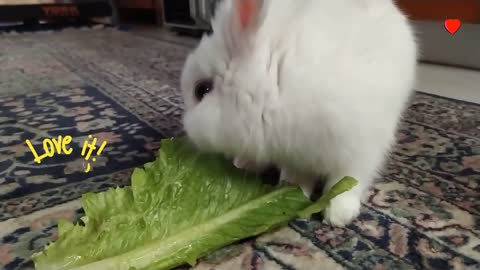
{"x": 202, "y": 88}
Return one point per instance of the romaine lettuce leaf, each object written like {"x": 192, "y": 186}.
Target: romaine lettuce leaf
{"x": 340, "y": 187}
{"x": 180, "y": 207}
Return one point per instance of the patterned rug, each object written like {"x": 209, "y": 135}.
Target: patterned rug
{"x": 121, "y": 87}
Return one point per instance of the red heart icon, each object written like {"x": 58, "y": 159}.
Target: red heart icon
{"x": 452, "y": 25}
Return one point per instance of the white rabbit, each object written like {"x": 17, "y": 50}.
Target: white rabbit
{"x": 316, "y": 87}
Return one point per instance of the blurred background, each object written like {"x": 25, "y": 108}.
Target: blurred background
{"x": 194, "y": 15}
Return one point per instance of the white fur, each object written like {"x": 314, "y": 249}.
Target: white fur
{"x": 316, "y": 87}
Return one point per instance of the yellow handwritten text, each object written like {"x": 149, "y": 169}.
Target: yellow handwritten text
{"x": 91, "y": 146}
{"x": 60, "y": 145}
{"x": 52, "y": 146}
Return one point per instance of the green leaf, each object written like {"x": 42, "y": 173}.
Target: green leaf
{"x": 346, "y": 184}
{"x": 179, "y": 208}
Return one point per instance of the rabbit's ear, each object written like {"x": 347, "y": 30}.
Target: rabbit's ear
{"x": 236, "y": 23}
{"x": 246, "y": 13}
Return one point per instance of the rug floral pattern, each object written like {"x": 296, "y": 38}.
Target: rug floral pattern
{"x": 423, "y": 213}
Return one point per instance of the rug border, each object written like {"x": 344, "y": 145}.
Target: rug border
{"x": 447, "y": 98}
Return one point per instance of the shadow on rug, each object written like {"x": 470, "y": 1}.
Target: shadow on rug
{"x": 119, "y": 87}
